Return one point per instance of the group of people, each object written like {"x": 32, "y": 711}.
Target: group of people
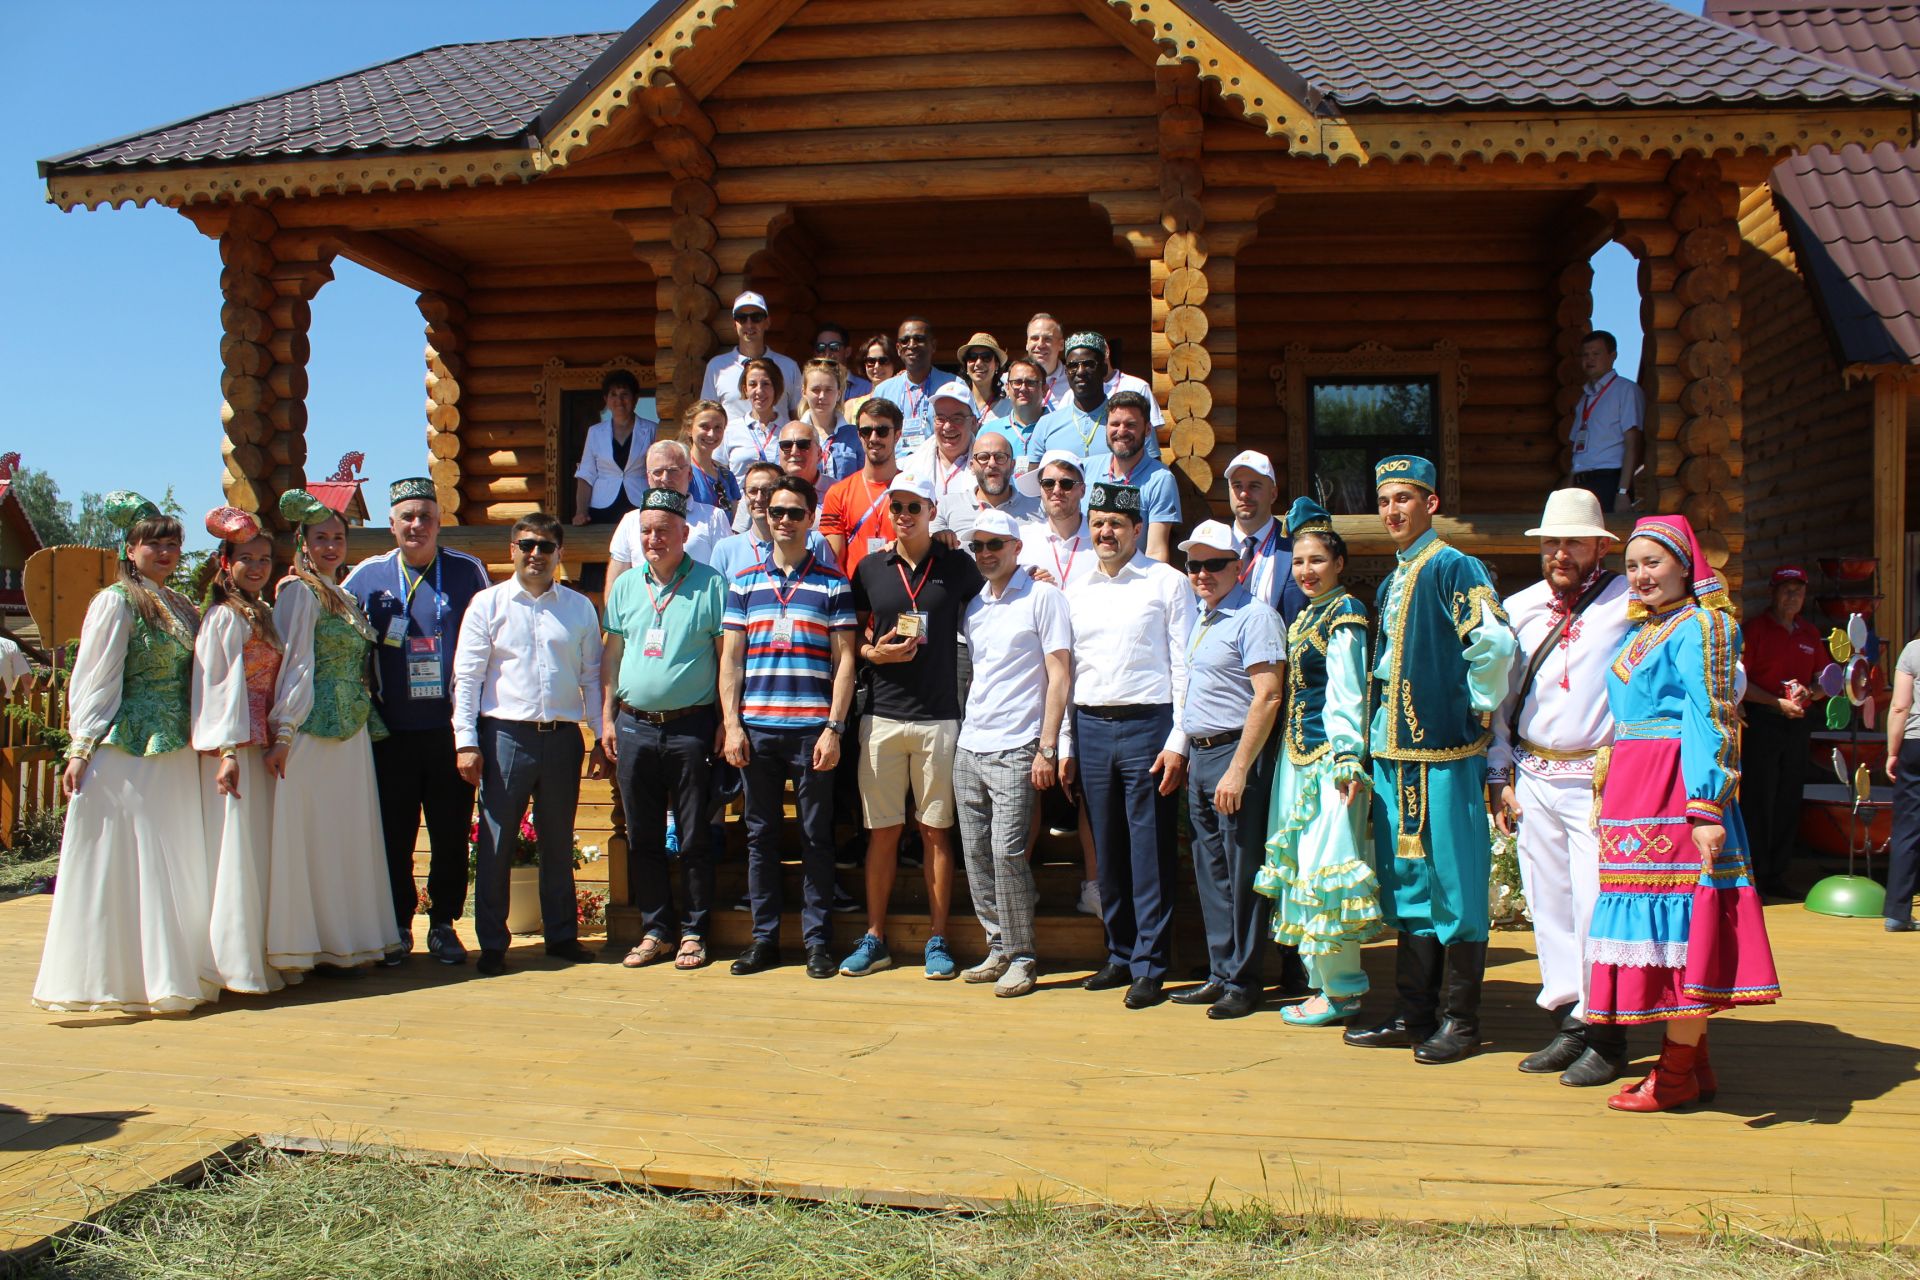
{"x": 976, "y": 613}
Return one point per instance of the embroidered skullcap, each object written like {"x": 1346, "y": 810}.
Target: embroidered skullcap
{"x": 1304, "y": 516}
{"x": 231, "y": 524}
{"x": 413, "y": 488}
{"x": 124, "y": 509}
{"x": 1086, "y": 340}
{"x": 1406, "y": 468}
{"x": 1121, "y": 498}
{"x": 665, "y": 500}
{"x": 302, "y": 508}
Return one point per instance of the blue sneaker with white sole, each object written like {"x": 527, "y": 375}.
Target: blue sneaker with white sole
{"x": 940, "y": 964}
{"x": 871, "y": 956}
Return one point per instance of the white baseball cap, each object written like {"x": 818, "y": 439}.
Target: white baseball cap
{"x": 1254, "y": 461}
{"x": 995, "y": 523}
{"x": 1213, "y": 536}
{"x": 918, "y": 486}
{"x": 1028, "y": 482}
{"x": 748, "y": 300}
{"x": 957, "y": 392}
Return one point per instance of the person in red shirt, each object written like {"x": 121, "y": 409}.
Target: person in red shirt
{"x": 1784, "y": 654}
{"x": 853, "y": 516}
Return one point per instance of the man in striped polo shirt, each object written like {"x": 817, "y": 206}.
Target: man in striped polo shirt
{"x": 786, "y": 686}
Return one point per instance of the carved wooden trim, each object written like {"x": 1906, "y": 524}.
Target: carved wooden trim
{"x": 1293, "y": 376}
{"x": 556, "y": 377}
{"x": 329, "y": 175}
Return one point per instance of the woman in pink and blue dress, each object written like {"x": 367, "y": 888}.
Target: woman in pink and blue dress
{"x": 1677, "y": 932}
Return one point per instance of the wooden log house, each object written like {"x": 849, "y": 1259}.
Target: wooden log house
{"x": 1276, "y": 208}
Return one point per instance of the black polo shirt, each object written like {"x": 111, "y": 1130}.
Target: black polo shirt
{"x": 885, "y": 586}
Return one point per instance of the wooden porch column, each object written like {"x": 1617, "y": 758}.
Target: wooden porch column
{"x": 264, "y": 322}
{"x": 1182, "y": 364}
{"x": 446, "y": 317}
{"x": 685, "y": 269}
{"x": 1890, "y": 504}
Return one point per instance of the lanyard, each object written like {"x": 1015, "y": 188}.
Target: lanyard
{"x": 439, "y": 596}
{"x": 660, "y": 603}
{"x": 1126, "y": 479}
{"x": 1093, "y": 426}
{"x": 913, "y": 592}
{"x": 1201, "y": 634}
{"x": 947, "y": 479}
{"x": 861, "y": 523}
{"x": 1586, "y": 410}
{"x": 1053, "y": 546}
{"x": 1260, "y": 552}
{"x": 914, "y": 406}
{"x": 763, "y": 441}
{"x": 795, "y": 581}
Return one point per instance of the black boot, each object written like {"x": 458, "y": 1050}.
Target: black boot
{"x": 1459, "y": 1033}
{"x": 1416, "y": 973}
{"x": 1604, "y": 1061}
{"x": 1569, "y": 1042}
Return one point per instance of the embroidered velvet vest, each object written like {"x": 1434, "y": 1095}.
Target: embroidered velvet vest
{"x": 1435, "y": 604}
{"x": 1307, "y": 670}
{"x": 156, "y": 689}
{"x": 341, "y": 699}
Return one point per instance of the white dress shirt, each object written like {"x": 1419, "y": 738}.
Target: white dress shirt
{"x": 526, "y": 657}
{"x": 706, "y": 525}
{"x": 1067, "y": 559}
{"x": 1609, "y": 408}
{"x": 1566, "y": 712}
{"x": 1130, "y": 640}
{"x": 1010, "y": 636}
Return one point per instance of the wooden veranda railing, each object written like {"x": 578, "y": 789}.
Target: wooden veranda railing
{"x": 29, "y": 768}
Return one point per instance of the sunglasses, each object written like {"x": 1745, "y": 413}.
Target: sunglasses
{"x": 749, "y": 317}
{"x": 786, "y": 445}
{"x": 868, "y": 433}
{"x": 1209, "y": 566}
{"x": 1082, "y": 366}
{"x": 906, "y": 508}
{"x": 537, "y": 546}
{"x": 829, "y": 346}
{"x": 911, "y": 340}
{"x": 876, "y": 360}
{"x": 1059, "y": 482}
{"x": 987, "y": 544}
{"x": 786, "y": 513}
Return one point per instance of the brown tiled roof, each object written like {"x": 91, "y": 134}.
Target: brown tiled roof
{"x": 1853, "y": 217}
{"x": 1355, "y": 53}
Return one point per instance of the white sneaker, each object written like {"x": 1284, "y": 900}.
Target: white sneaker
{"x": 1018, "y": 979}
{"x": 988, "y": 970}
{"x": 1089, "y": 904}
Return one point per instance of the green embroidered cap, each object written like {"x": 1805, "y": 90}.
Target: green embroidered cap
{"x": 665, "y": 500}
{"x": 1406, "y": 468}
{"x": 1086, "y": 340}
{"x": 411, "y": 489}
{"x": 124, "y": 509}
{"x": 303, "y": 509}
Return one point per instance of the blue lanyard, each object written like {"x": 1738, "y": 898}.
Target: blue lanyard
{"x": 439, "y": 596}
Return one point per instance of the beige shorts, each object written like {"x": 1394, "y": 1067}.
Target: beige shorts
{"x": 898, "y": 756}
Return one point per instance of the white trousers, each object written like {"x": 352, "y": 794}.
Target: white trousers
{"x": 1560, "y": 874}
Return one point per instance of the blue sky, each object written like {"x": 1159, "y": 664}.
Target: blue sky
{"x": 109, "y": 324}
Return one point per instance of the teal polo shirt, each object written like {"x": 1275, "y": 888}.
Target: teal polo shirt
{"x": 687, "y": 672}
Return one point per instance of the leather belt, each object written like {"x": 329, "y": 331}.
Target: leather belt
{"x": 538, "y": 726}
{"x": 1124, "y": 711}
{"x": 663, "y": 717}
{"x": 1216, "y": 739}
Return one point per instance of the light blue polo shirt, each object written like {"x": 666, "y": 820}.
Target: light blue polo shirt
{"x": 1238, "y": 633}
{"x": 687, "y": 673}
{"x": 1079, "y": 433}
{"x": 1159, "y": 496}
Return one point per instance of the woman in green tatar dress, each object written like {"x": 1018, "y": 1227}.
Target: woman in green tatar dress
{"x": 1318, "y": 871}
{"x": 131, "y": 905}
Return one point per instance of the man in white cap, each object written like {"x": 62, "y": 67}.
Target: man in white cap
{"x": 942, "y": 458}
{"x": 1009, "y": 743}
{"x": 910, "y": 600}
{"x": 1548, "y": 734}
{"x": 1234, "y": 665}
{"x": 992, "y": 489}
{"x": 722, "y": 382}
{"x": 1265, "y": 551}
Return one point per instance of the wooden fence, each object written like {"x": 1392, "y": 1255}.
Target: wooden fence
{"x": 29, "y": 769}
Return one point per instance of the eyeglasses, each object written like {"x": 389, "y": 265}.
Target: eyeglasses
{"x": 762, "y": 491}
{"x": 541, "y": 546}
{"x": 868, "y": 433}
{"x": 986, "y": 544}
{"x": 1209, "y": 566}
{"x": 952, "y": 419}
{"x": 1023, "y": 382}
{"x": 906, "y": 508}
{"x": 786, "y": 513}
{"x": 988, "y": 459}
{"x": 1059, "y": 482}
{"x": 796, "y": 445}
{"x": 749, "y": 317}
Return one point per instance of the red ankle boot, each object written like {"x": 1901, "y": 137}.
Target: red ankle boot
{"x": 1670, "y": 1084}
{"x": 1703, "y": 1071}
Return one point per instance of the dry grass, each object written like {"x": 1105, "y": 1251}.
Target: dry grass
{"x": 273, "y": 1215}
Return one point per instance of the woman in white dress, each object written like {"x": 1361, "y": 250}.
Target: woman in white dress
{"x": 129, "y": 928}
{"x": 236, "y": 669}
{"x": 328, "y": 900}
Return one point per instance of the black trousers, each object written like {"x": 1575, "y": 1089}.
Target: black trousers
{"x": 1604, "y": 485}
{"x": 1773, "y": 775}
{"x": 1903, "y": 855}
{"x": 660, "y": 765}
{"x": 415, "y": 773}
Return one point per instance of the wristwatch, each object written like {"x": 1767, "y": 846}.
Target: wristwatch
{"x": 839, "y": 727}
{"x": 1049, "y": 753}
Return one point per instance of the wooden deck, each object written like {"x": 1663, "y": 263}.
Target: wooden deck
{"x": 893, "y": 1089}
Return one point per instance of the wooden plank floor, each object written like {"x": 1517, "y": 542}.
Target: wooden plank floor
{"x": 893, "y": 1089}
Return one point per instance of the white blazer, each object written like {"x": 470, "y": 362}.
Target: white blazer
{"x": 597, "y": 468}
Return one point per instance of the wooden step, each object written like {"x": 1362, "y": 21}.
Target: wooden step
{"x": 1063, "y": 939}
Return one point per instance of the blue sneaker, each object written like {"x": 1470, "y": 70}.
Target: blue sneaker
{"x": 871, "y": 956}
{"x": 940, "y": 965}
{"x": 673, "y": 836}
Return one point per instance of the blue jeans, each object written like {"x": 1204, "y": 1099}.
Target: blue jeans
{"x": 660, "y": 765}
{"x": 1228, "y": 850}
{"x": 1133, "y": 830}
{"x": 520, "y": 763}
{"x": 779, "y": 755}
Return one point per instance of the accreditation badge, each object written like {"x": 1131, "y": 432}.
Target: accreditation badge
{"x": 782, "y": 637}
{"x": 423, "y": 668}
{"x": 654, "y": 644}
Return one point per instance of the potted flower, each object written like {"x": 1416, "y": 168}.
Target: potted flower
{"x": 523, "y": 894}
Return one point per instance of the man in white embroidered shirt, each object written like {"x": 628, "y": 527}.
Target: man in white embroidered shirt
{"x": 1123, "y": 746}
{"x": 526, "y": 676}
{"x": 1606, "y": 425}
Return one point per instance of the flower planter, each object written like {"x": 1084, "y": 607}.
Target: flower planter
{"x": 523, "y": 901}
{"x": 1826, "y": 820}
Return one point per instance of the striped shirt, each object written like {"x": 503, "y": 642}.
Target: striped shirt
{"x": 788, "y": 688}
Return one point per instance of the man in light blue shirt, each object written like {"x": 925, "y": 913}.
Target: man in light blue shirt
{"x": 1075, "y": 425}
{"x": 1234, "y": 663}
{"x": 1026, "y": 405}
{"x": 915, "y": 386}
{"x": 1132, "y": 459}
{"x": 739, "y": 552}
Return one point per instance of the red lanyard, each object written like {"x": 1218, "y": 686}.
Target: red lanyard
{"x": 765, "y": 440}
{"x": 957, "y": 468}
{"x": 660, "y": 603}
{"x": 913, "y": 592}
{"x": 1586, "y": 410}
{"x": 1259, "y": 552}
{"x": 796, "y": 580}
{"x": 861, "y": 523}
{"x": 1054, "y": 547}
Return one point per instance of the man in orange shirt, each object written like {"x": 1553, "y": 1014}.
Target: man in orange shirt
{"x": 854, "y": 517}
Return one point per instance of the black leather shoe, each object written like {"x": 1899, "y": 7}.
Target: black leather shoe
{"x": 1560, "y": 1053}
{"x": 1206, "y": 993}
{"x": 1232, "y": 1004}
{"x": 1144, "y": 993}
{"x": 1604, "y": 1061}
{"x": 492, "y": 963}
{"x": 1108, "y": 977}
{"x": 761, "y": 954}
{"x": 820, "y": 962}
{"x": 1453, "y": 1041}
{"x": 572, "y": 952}
{"x": 1394, "y": 1033}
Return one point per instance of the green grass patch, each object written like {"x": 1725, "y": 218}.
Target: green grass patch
{"x": 273, "y": 1216}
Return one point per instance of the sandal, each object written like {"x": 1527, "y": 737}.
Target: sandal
{"x": 693, "y": 953}
{"x": 651, "y": 950}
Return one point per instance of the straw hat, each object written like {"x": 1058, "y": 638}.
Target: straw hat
{"x": 1572, "y": 513}
{"x": 985, "y": 341}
